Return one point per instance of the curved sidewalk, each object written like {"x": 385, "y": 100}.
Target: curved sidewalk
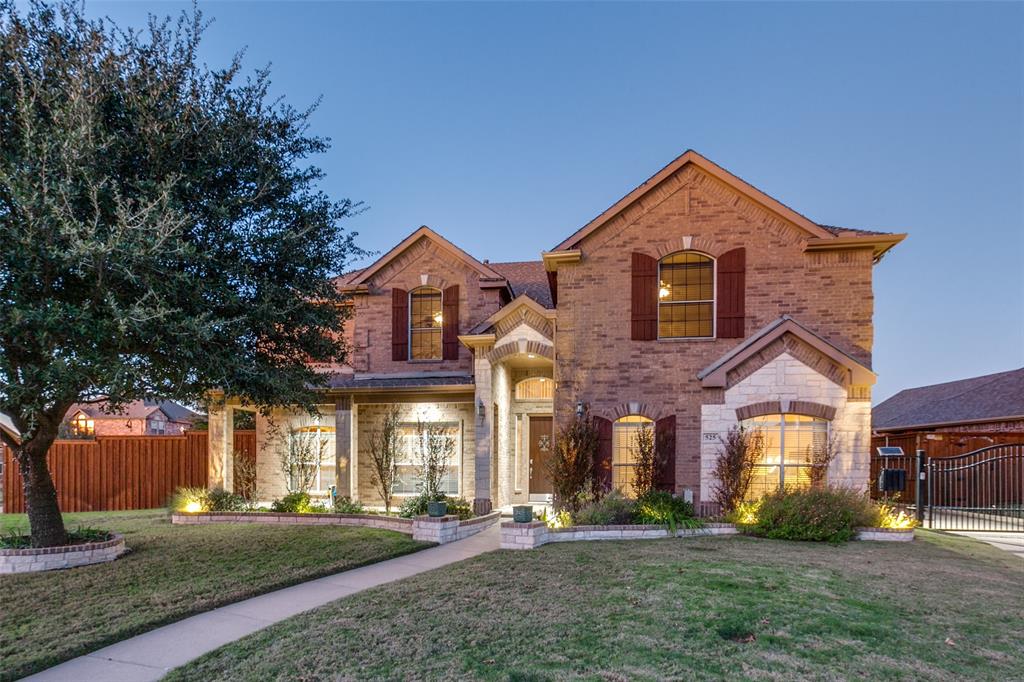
{"x": 153, "y": 654}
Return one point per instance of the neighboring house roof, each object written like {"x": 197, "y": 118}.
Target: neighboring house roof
{"x": 820, "y": 232}
{"x": 527, "y": 277}
{"x": 137, "y": 409}
{"x": 397, "y": 381}
{"x": 7, "y": 426}
{"x": 715, "y": 374}
{"x": 363, "y": 276}
{"x": 993, "y": 397}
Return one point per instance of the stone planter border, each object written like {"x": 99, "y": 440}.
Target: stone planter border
{"x": 441, "y": 530}
{"x": 536, "y": 533}
{"x": 885, "y": 534}
{"x": 32, "y": 559}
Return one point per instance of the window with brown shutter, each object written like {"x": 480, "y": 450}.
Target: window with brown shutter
{"x": 399, "y": 324}
{"x": 426, "y": 319}
{"x": 644, "y": 323}
{"x": 686, "y": 296}
{"x": 450, "y": 324}
{"x": 732, "y": 276}
{"x": 665, "y": 445}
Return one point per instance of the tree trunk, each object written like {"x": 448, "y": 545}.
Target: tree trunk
{"x": 44, "y": 517}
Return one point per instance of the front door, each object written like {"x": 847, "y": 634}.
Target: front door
{"x": 541, "y": 447}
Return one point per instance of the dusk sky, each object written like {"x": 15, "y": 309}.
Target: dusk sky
{"x": 508, "y": 126}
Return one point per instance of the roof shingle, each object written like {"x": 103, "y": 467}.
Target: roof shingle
{"x": 527, "y": 277}
{"x": 993, "y": 396}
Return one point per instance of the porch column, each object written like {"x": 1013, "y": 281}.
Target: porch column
{"x": 343, "y": 432}
{"x": 483, "y": 408}
{"x": 220, "y": 446}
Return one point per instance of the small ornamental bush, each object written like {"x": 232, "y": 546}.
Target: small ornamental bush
{"x": 223, "y": 501}
{"x": 821, "y": 514}
{"x": 19, "y": 539}
{"x": 417, "y": 506}
{"x": 190, "y": 500}
{"x": 297, "y": 503}
{"x": 659, "y": 507}
{"x": 346, "y": 505}
{"x": 611, "y": 510}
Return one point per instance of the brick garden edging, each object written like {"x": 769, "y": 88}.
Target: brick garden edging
{"x": 885, "y": 534}
{"x": 428, "y": 529}
{"x": 536, "y": 533}
{"x": 32, "y": 559}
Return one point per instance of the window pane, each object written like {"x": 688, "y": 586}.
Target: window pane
{"x": 624, "y": 433}
{"x": 426, "y": 309}
{"x": 426, "y": 344}
{"x": 685, "y": 320}
{"x": 790, "y": 440}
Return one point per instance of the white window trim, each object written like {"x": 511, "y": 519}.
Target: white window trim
{"x": 782, "y": 442}
{"x": 331, "y": 462}
{"x": 413, "y": 462}
{"x": 713, "y": 301}
{"x": 425, "y": 287}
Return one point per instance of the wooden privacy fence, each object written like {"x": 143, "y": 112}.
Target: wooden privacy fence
{"x": 936, "y": 446}
{"x": 120, "y": 472}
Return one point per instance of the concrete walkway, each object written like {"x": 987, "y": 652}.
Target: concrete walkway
{"x": 151, "y": 655}
{"x": 1008, "y": 542}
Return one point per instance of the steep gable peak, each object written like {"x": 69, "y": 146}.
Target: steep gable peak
{"x": 364, "y": 276}
{"x": 692, "y": 158}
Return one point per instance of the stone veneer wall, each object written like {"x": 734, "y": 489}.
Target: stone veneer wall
{"x": 785, "y": 379}
{"x": 50, "y": 558}
{"x": 368, "y": 419}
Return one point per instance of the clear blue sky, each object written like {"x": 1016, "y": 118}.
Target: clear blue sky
{"x": 507, "y": 126}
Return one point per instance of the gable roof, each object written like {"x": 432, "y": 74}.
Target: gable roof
{"x": 520, "y": 301}
{"x": 8, "y": 427}
{"x": 423, "y": 232}
{"x": 734, "y": 181}
{"x": 136, "y": 409}
{"x": 992, "y": 397}
{"x": 527, "y": 277}
{"x": 715, "y": 374}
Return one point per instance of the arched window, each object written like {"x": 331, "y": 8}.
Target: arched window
{"x": 425, "y": 320}
{"x": 535, "y": 388}
{"x": 792, "y": 444}
{"x": 686, "y": 296}
{"x": 624, "y": 449}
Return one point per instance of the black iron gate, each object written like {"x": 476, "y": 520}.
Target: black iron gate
{"x": 981, "y": 490}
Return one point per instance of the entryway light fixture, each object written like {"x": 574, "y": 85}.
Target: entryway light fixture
{"x": 579, "y": 408}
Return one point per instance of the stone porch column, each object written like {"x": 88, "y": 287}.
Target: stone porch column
{"x": 220, "y": 447}
{"x": 343, "y": 438}
{"x": 483, "y": 409}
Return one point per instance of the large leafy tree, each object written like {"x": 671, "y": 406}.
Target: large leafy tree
{"x": 161, "y": 231}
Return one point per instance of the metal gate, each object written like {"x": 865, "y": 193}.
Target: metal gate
{"x": 982, "y": 490}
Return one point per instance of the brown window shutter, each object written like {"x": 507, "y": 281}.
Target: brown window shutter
{"x": 665, "y": 445}
{"x": 645, "y": 297}
{"x": 603, "y": 459}
{"x": 450, "y": 325}
{"x": 732, "y": 282}
{"x": 399, "y": 324}
{"x": 553, "y": 287}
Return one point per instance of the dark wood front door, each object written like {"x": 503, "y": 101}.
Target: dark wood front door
{"x": 541, "y": 446}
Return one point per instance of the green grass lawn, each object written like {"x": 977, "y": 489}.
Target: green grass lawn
{"x": 171, "y": 572}
{"x": 941, "y": 608}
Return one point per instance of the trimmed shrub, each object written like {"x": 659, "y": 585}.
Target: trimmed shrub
{"x": 417, "y": 506}
{"x": 659, "y": 507}
{"x": 817, "y": 514}
{"x": 346, "y": 505}
{"x": 223, "y": 501}
{"x": 297, "y": 503}
{"x": 611, "y": 510}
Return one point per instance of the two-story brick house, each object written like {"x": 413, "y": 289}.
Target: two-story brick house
{"x": 694, "y": 303}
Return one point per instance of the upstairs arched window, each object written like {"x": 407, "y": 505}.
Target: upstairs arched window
{"x": 686, "y": 296}
{"x": 425, "y": 323}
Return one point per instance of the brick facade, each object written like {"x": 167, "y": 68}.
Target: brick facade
{"x": 787, "y": 267}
